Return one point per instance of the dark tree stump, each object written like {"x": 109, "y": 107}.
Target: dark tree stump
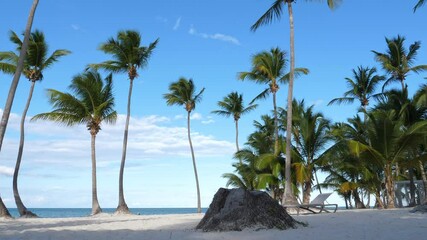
{"x": 237, "y": 209}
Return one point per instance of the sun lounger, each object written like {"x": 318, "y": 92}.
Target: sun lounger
{"x": 317, "y": 205}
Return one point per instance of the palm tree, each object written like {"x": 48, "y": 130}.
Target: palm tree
{"x": 397, "y": 61}
{"x": 91, "y": 102}
{"x": 311, "y": 138}
{"x": 128, "y": 57}
{"x": 269, "y": 68}
{"x": 361, "y": 88}
{"x": 9, "y": 102}
{"x": 275, "y": 12}
{"x": 232, "y": 105}
{"x": 35, "y": 63}
{"x": 183, "y": 93}
{"x": 389, "y": 141}
{"x": 419, "y": 4}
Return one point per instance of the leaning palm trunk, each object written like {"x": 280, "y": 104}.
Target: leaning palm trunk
{"x": 289, "y": 197}
{"x": 199, "y": 209}
{"x": 122, "y": 208}
{"x": 95, "y": 204}
{"x": 23, "y": 211}
{"x": 8, "y": 106}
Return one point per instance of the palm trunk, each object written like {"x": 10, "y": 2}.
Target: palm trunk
{"x": 9, "y": 102}
{"x": 424, "y": 177}
{"x": 199, "y": 208}
{"x": 306, "y": 192}
{"x": 357, "y": 202}
{"x": 237, "y": 136}
{"x": 23, "y": 211}
{"x": 289, "y": 197}
{"x": 389, "y": 186}
{"x": 276, "y": 129}
{"x": 122, "y": 208}
{"x": 237, "y": 139}
{"x": 95, "y": 204}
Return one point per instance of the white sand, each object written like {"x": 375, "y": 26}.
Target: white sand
{"x": 355, "y": 224}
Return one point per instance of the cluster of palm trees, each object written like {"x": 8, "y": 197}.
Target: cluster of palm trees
{"x": 90, "y": 101}
{"x": 361, "y": 157}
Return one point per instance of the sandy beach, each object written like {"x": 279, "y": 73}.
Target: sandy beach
{"x": 346, "y": 224}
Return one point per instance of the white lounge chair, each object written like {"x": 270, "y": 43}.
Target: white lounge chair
{"x": 318, "y": 203}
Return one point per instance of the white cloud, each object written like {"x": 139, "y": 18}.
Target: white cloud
{"x": 156, "y": 150}
{"x": 216, "y": 36}
{"x": 208, "y": 120}
{"x": 6, "y": 171}
{"x": 196, "y": 116}
{"x": 177, "y": 24}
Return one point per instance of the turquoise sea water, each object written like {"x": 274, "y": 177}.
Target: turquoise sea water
{"x": 83, "y": 212}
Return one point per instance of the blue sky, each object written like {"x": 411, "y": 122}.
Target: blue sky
{"x": 208, "y": 41}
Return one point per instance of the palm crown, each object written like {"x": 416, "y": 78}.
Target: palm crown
{"x": 232, "y": 105}
{"x": 182, "y": 93}
{"x": 361, "y": 88}
{"x": 276, "y": 9}
{"x": 127, "y": 53}
{"x": 36, "y": 60}
{"x": 397, "y": 61}
{"x": 91, "y": 104}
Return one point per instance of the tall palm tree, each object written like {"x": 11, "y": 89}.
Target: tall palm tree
{"x": 397, "y": 61}
{"x": 361, "y": 87}
{"x": 275, "y": 12}
{"x": 232, "y": 105}
{"x": 91, "y": 102}
{"x": 128, "y": 57}
{"x": 11, "y": 95}
{"x": 36, "y": 62}
{"x": 183, "y": 93}
{"x": 269, "y": 68}
{"x": 419, "y": 4}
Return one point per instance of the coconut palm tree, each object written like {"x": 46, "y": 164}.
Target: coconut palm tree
{"x": 273, "y": 13}
{"x": 36, "y": 62}
{"x": 11, "y": 95}
{"x": 90, "y": 102}
{"x": 128, "y": 57}
{"x": 311, "y": 138}
{"x": 389, "y": 141}
{"x": 397, "y": 61}
{"x": 419, "y": 4}
{"x": 361, "y": 87}
{"x": 232, "y": 105}
{"x": 183, "y": 93}
{"x": 269, "y": 68}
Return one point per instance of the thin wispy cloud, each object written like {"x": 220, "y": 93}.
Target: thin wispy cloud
{"x": 177, "y": 24}
{"x": 75, "y": 27}
{"x": 6, "y": 171}
{"x": 216, "y": 36}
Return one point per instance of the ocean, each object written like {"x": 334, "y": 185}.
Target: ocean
{"x": 84, "y": 212}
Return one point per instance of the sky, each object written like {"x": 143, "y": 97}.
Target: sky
{"x": 207, "y": 41}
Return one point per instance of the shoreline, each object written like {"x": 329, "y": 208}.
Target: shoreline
{"x": 354, "y": 224}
